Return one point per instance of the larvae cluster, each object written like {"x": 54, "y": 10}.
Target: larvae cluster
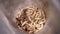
{"x": 31, "y": 19}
